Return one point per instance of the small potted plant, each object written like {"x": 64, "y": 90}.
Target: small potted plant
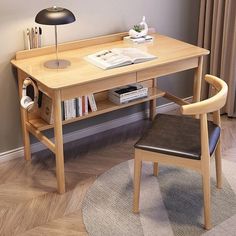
{"x": 139, "y": 30}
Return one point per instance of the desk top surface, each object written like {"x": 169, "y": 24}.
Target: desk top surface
{"x": 167, "y": 50}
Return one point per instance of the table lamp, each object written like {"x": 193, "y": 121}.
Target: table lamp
{"x": 55, "y": 16}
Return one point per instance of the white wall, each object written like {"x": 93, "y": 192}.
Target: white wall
{"x": 176, "y": 18}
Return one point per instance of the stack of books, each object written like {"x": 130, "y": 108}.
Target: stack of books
{"x": 143, "y": 39}
{"x": 127, "y": 93}
{"x": 71, "y": 108}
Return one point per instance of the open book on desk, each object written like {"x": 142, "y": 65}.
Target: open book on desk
{"x": 117, "y": 57}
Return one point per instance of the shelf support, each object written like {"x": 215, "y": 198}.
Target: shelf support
{"x": 42, "y": 138}
{"x": 175, "y": 99}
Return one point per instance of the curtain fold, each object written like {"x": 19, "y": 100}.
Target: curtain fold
{"x": 217, "y": 33}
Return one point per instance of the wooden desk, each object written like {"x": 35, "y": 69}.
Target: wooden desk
{"x": 82, "y": 78}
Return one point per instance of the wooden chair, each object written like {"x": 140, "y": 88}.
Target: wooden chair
{"x": 186, "y": 142}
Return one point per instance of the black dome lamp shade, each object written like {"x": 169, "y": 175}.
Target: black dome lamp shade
{"x": 55, "y": 16}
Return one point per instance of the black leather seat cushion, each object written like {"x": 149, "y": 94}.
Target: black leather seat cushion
{"x": 178, "y": 136}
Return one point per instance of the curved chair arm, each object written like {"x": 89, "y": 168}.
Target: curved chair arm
{"x": 211, "y": 104}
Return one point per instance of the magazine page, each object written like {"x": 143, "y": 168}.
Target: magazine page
{"x": 108, "y": 59}
{"x": 135, "y": 55}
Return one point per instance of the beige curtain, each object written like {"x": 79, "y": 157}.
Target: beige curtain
{"x": 217, "y": 32}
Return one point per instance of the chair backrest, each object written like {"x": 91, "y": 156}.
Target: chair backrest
{"x": 211, "y": 104}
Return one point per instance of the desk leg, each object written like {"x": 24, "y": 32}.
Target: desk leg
{"x": 58, "y": 142}
{"x": 24, "y": 118}
{"x": 153, "y": 104}
{"x": 197, "y": 81}
{"x": 26, "y": 135}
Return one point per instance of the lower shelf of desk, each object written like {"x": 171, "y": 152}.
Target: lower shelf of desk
{"x": 103, "y": 107}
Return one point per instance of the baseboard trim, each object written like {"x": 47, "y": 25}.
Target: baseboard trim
{"x": 72, "y": 136}
{"x": 12, "y": 154}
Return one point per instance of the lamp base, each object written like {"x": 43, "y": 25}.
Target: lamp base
{"x": 57, "y": 64}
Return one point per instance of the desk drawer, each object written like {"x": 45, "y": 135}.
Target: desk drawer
{"x": 166, "y": 69}
{"x": 98, "y": 86}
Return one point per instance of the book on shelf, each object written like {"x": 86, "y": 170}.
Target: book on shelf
{"x": 127, "y": 93}
{"x": 92, "y": 102}
{"x": 84, "y": 105}
{"x": 79, "y": 106}
{"x": 116, "y": 57}
{"x": 46, "y": 109}
{"x": 76, "y": 107}
{"x": 70, "y": 109}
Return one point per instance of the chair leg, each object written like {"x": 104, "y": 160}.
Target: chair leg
{"x": 137, "y": 179}
{"x": 218, "y": 165}
{"x": 206, "y": 196}
{"x": 155, "y": 168}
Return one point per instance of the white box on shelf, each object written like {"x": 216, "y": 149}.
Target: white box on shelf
{"x": 127, "y": 93}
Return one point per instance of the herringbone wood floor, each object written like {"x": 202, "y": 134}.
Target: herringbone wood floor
{"x": 29, "y": 204}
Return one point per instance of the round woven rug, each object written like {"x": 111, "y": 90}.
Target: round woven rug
{"x": 170, "y": 204}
